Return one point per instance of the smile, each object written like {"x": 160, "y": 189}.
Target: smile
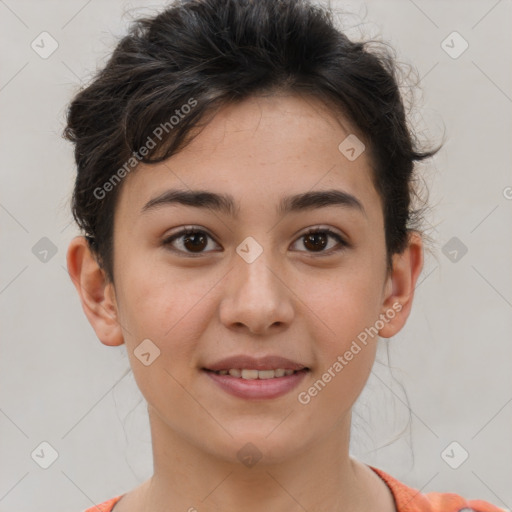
{"x": 256, "y": 374}
{"x": 257, "y": 384}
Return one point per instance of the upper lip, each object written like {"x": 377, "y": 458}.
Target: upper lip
{"x": 255, "y": 363}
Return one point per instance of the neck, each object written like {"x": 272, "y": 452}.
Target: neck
{"x": 321, "y": 476}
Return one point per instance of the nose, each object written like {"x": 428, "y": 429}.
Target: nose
{"x": 257, "y": 297}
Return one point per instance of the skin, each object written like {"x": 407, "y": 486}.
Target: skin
{"x": 290, "y": 301}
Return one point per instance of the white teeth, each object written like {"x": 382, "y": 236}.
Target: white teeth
{"x": 265, "y": 374}
{"x": 255, "y": 374}
{"x": 250, "y": 374}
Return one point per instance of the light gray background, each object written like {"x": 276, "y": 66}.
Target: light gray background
{"x": 59, "y": 384}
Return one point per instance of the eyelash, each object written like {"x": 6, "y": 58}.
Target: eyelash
{"x": 191, "y": 231}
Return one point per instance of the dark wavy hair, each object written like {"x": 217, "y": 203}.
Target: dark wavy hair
{"x": 216, "y": 52}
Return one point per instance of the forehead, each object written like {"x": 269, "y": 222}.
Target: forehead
{"x": 260, "y": 150}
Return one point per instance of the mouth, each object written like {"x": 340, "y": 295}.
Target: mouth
{"x": 257, "y": 378}
{"x": 252, "y": 384}
{"x": 253, "y": 374}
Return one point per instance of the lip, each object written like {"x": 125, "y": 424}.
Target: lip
{"x": 271, "y": 362}
{"x": 257, "y": 389}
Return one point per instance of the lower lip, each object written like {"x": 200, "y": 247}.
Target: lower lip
{"x": 257, "y": 388}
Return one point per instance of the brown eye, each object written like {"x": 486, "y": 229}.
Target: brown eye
{"x": 195, "y": 242}
{"x": 192, "y": 241}
{"x": 316, "y": 240}
{"x": 189, "y": 241}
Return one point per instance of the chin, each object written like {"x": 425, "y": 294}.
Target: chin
{"x": 255, "y": 448}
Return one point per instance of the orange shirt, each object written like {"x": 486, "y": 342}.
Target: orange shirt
{"x": 407, "y": 499}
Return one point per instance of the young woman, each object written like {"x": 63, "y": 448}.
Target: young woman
{"x": 245, "y": 193}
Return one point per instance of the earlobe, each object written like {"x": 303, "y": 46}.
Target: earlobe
{"x": 400, "y": 286}
{"x": 97, "y": 295}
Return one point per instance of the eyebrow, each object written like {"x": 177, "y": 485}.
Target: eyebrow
{"x": 225, "y": 203}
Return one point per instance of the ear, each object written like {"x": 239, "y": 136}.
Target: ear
{"x": 96, "y": 294}
{"x": 400, "y": 285}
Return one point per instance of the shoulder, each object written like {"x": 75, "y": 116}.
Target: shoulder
{"x": 408, "y": 499}
{"x": 106, "y": 506}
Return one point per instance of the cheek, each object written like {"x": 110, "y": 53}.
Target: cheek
{"x": 163, "y": 304}
{"x": 344, "y": 301}
{"x": 337, "y": 386}
{"x": 347, "y": 306}
{"x": 167, "y": 311}
{"x": 345, "y": 344}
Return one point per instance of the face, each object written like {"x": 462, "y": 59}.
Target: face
{"x": 250, "y": 280}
